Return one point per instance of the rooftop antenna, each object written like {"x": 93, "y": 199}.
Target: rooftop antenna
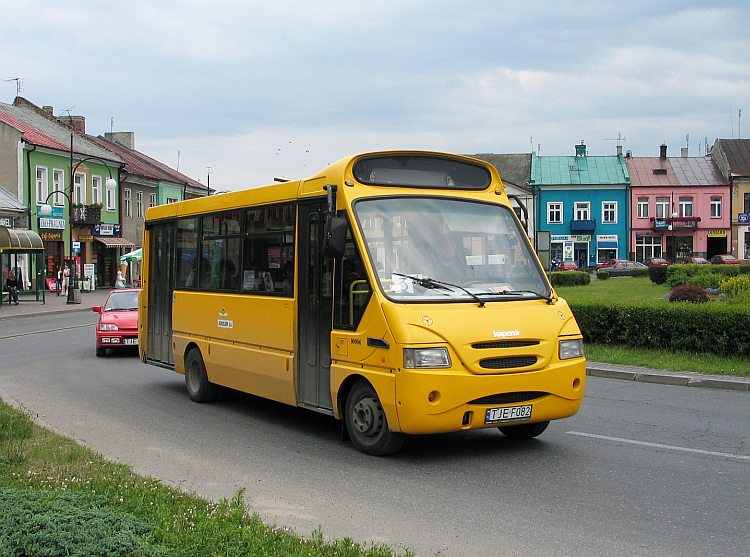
{"x": 739, "y": 124}
{"x": 620, "y": 140}
{"x": 18, "y": 83}
{"x": 687, "y": 141}
{"x": 111, "y": 124}
{"x": 178, "y": 160}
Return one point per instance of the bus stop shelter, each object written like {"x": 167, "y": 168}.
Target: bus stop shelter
{"x": 22, "y": 253}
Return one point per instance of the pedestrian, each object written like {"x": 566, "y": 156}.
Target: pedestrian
{"x": 58, "y": 280}
{"x": 11, "y": 285}
{"x": 65, "y": 280}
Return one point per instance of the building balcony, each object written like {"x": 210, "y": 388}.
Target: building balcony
{"x": 676, "y": 223}
{"x": 86, "y": 214}
{"x": 588, "y": 225}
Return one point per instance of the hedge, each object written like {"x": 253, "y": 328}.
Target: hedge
{"x": 715, "y": 328}
{"x": 569, "y": 278}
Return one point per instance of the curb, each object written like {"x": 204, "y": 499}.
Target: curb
{"x": 665, "y": 377}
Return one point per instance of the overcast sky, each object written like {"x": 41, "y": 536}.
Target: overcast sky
{"x": 257, "y": 90}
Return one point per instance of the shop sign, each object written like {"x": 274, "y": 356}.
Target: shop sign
{"x": 6, "y": 221}
{"x": 106, "y": 230}
{"x": 581, "y": 238}
{"x": 607, "y": 238}
{"x": 50, "y": 236}
{"x": 52, "y": 223}
{"x": 560, "y": 238}
{"x": 85, "y": 237}
{"x": 717, "y": 233}
{"x": 743, "y": 218}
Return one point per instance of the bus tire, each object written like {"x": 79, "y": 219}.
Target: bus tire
{"x": 366, "y": 422}
{"x": 198, "y": 386}
{"x": 525, "y": 431}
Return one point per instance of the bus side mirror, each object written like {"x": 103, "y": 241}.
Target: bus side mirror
{"x": 336, "y": 240}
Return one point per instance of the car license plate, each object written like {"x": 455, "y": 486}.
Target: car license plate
{"x": 130, "y": 341}
{"x": 507, "y": 414}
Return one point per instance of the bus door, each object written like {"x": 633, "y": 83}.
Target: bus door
{"x": 160, "y": 292}
{"x": 315, "y": 307}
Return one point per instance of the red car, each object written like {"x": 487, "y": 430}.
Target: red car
{"x": 608, "y": 263}
{"x": 656, "y": 262}
{"x": 118, "y": 321}
{"x": 566, "y": 266}
{"x": 726, "y": 259}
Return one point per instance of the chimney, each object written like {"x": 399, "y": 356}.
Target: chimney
{"x": 663, "y": 151}
{"x": 684, "y": 152}
{"x": 581, "y": 149}
{"x": 126, "y": 139}
{"x": 78, "y": 123}
{"x": 48, "y": 109}
{"x": 619, "y": 150}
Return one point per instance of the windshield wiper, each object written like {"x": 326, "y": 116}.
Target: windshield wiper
{"x": 433, "y": 284}
{"x": 550, "y": 299}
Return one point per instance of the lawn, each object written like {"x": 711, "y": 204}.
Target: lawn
{"x": 641, "y": 289}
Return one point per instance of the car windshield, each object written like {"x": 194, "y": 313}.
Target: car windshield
{"x": 122, "y": 301}
{"x": 437, "y": 249}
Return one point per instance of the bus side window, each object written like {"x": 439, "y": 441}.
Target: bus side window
{"x": 353, "y": 290}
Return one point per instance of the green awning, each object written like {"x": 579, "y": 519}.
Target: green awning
{"x": 16, "y": 239}
{"x": 132, "y": 256}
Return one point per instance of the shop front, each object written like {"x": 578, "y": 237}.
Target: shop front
{"x": 108, "y": 247}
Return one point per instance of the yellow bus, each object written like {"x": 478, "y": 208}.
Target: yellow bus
{"x": 395, "y": 291}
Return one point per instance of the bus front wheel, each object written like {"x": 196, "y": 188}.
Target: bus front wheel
{"x": 198, "y": 386}
{"x": 525, "y": 431}
{"x": 367, "y": 424}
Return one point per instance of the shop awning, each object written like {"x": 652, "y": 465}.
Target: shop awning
{"x": 15, "y": 239}
{"x": 111, "y": 242}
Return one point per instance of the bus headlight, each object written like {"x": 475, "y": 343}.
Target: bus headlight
{"x": 107, "y": 327}
{"x": 571, "y": 349}
{"x": 426, "y": 357}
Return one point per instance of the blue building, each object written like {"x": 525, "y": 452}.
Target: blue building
{"x": 582, "y": 202}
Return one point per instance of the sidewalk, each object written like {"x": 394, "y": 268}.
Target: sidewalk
{"x": 58, "y": 304}
{"x": 28, "y": 307}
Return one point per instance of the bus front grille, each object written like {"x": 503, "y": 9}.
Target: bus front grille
{"x": 509, "y": 398}
{"x": 508, "y": 362}
{"x": 504, "y": 344}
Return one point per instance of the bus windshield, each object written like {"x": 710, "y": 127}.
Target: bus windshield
{"x": 443, "y": 250}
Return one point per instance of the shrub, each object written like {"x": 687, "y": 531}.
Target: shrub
{"x": 689, "y": 293}
{"x": 688, "y": 274}
{"x": 602, "y": 275}
{"x": 658, "y": 275}
{"x": 640, "y": 272}
{"x": 736, "y": 289}
{"x": 569, "y": 278}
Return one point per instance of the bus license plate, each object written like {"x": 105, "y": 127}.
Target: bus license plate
{"x": 507, "y": 414}
{"x": 130, "y": 341}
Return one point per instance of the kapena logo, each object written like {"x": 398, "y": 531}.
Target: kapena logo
{"x": 506, "y": 334}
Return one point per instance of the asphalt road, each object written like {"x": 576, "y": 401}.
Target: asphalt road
{"x": 642, "y": 470}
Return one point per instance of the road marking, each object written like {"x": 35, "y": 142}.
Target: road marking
{"x": 46, "y": 331}
{"x": 658, "y": 445}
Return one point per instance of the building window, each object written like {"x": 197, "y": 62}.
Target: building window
{"x": 662, "y": 207}
{"x": 648, "y": 246}
{"x": 609, "y": 212}
{"x": 747, "y": 203}
{"x": 686, "y": 206}
{"x": 172, "y": 200}
{"x": 58, "y": 186}
{"x": 41, "y": 185}
{"x": 582, "y": 210}
{"x": 152, "y": 200}
{"x": 643, "y": 207}
{"x": 715, "y": 207}
{"x": 127, "y": 201}
{"x": 139, "y": 204}
{"x": 96, "y": 189}
{"x": 111, "y": 198}
{"x": 554, "y": 213}
{"x": 79, "y": 188}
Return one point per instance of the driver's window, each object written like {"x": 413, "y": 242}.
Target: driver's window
{"x": 353, "y": 289}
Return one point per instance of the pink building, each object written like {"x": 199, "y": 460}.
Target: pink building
{"x": 679, "y": 206}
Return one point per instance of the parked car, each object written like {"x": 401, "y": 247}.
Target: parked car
{"x": 608, "y": 263}
{"x": 725, "y": 259}
{"x": 695, "y": 260}
{"x": 118, "y": 321}
{"x": 566, "y": 266}
{"x": 656, "y": 262}
{"x": 624, "y": 268}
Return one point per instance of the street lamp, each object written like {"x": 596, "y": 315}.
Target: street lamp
{"x": 46, "y": 210}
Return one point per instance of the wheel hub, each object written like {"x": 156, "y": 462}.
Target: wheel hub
{"x": 366, "y": 416}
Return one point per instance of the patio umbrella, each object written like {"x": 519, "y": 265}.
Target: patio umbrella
{"x": 132, "y": 256}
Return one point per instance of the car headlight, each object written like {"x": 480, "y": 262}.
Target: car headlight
{"x": 107, "y": 327}
{"x": 571, "y": 349}
{"x": 426, "y": 358}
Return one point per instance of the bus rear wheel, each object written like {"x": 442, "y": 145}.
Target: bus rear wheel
{"x": 525, "y": 431}
{"x": 366, "y": 423}
{"x": 198, "y": 386}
